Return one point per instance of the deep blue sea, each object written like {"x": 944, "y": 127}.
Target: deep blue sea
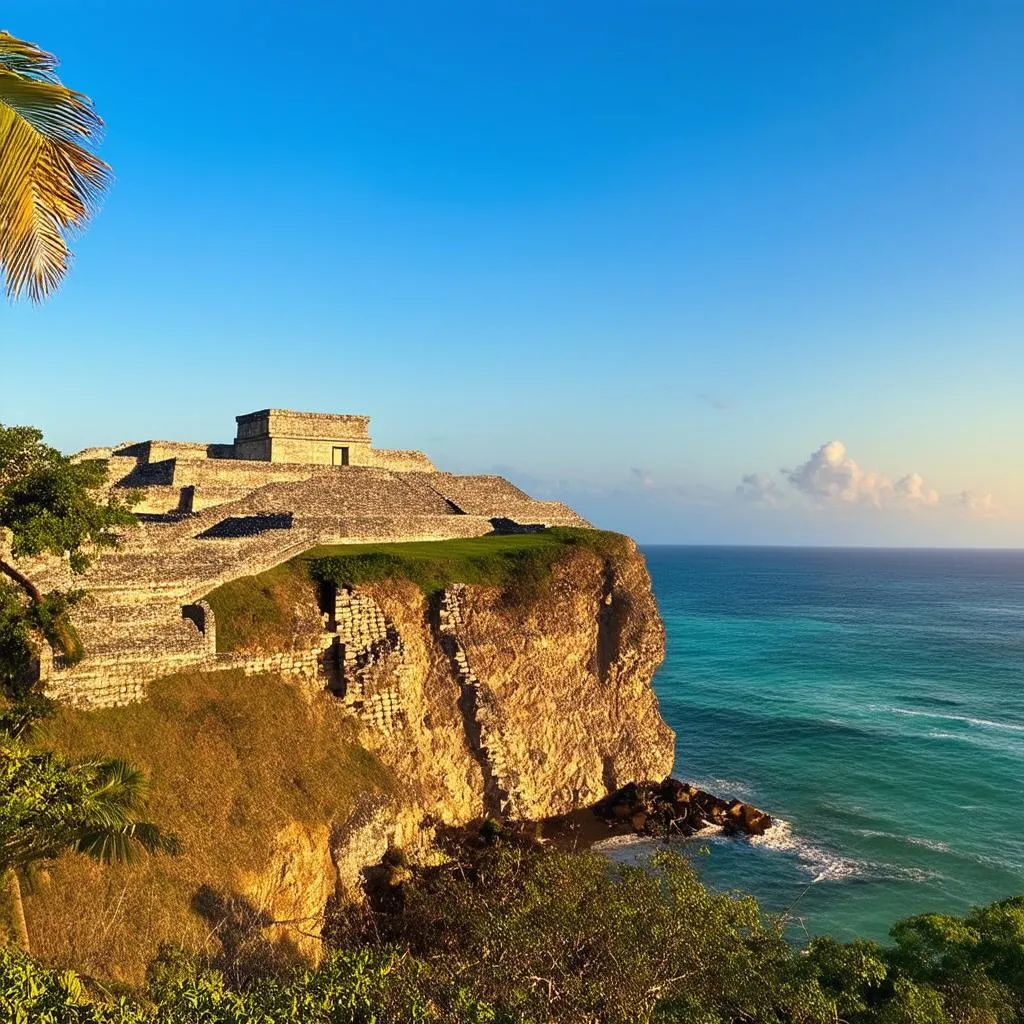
{"x": 873, "y": 700}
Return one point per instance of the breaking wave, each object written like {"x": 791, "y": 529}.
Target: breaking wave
{"x": 827, "y": 866}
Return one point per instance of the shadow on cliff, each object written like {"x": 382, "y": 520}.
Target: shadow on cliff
{"x": 248, "y": 949}
{"x": 612, "y": 616}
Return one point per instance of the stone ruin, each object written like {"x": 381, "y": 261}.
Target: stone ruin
{"x": 211, "y": 513}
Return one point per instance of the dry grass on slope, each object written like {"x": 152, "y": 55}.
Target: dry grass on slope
{"x": 231, "y": 760}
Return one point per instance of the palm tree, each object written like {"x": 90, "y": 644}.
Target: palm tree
{"x": 50, "y": 181}
{"x": 50, "y": 806}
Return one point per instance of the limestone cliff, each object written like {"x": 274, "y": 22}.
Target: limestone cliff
{"x": 523, "y": 702}
{"x": 525, "y": 708}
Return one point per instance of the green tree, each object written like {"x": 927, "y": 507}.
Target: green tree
{"x": 50, "y": 180}
{"x": 48, "y": 505}
{"x": 973, "y": 965}
{"x": 50, "y": 805}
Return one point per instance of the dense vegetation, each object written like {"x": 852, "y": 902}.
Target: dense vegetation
{"x": 258, "y": 611}
{"x": 543, "y": 936}
{"x": 50, "y": 804}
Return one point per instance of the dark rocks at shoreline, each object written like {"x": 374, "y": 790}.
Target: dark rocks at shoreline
{"x": 674, "y": 808}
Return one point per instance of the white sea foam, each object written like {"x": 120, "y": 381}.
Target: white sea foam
{"x": 930, "y": 844}
{"x": 815, "y": 861}
{"x": 825, "y": 865}
{"x": 980, "y": 723}
{"x": 723, "y": 787}
{"x": 620, "y": 843}
{"x": 822, "y": 865}
{"x": 634, "y": 845}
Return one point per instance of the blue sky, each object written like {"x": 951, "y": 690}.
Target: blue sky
{"x": 648, "y": 257}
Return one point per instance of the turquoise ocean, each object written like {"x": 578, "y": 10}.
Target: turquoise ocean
{"x": 873, "y": 702}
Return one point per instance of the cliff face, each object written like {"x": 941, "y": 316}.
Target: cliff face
{"x": 524, "y": 703}
{"x": 532, "y": 707}
{"x": 485, "y": 705}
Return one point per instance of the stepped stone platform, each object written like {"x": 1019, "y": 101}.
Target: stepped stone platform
{"x": 210, "y": 513}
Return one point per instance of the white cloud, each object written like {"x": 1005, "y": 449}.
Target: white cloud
{"x": 760, "y": 489}
{"x": 981, "y": 504}
{"x": 831, "y": 477}
{"x": 911, "y": 488}
{"x": 642, "y": 477}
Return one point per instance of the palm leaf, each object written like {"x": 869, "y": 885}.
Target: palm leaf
{"x": 50, "y": 181}
{"x": 123, "y": 844}
{"x": 26, "y": 58}
{"x": 117, "y": 792}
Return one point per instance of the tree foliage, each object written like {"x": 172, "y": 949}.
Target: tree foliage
{"x": 569, "y": 938}
{"x": 49, "y": 805}
{"x": 51, "y": 504}
{"x": 48, "y": 505}
{"x": 51, "y": 181}
{"x": 542, "y": 937}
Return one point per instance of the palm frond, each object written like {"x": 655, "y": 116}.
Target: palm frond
{"x": 116, "y": 793}
{"x": 107, "y": 845}
{"x": 124, "y": 843}
{"x": 26, "y": 58}
{"x": 50, "y": 181}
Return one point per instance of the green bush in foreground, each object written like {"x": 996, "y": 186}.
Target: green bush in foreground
{"x": 356, "y": 987}
{"x": 531, "y": 937}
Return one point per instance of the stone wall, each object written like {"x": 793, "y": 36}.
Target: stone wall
{"x": 496, "y": 498}
{"x": 158, "y": 451}
{"x": 92, "y": 453}
{"x": 317, "y": 451}
{"x": 359, "y": 657}
{"x": 366, "y": 665}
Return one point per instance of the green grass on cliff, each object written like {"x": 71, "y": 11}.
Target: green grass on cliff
{"x": 496, "y": 560}
{"x": 259, "y": 609}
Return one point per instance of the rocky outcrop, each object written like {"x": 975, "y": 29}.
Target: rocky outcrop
{"x": 674, "y": 808}
{"x": 482, "y": 705}
{"x": 290, "y": 894}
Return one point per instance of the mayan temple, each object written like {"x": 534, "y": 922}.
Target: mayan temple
{"x": 210, "y": 513}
